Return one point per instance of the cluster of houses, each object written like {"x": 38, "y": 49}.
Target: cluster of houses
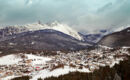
{"x": 90, "y": 60}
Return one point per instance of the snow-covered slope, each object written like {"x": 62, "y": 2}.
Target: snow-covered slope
{"x": 16, "y": 58}
{"x": 9, "y": 59}
{"x": 55, "y": 26}
{"x": 37, "y": 60}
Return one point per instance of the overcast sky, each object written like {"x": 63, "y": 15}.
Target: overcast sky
{"x": 82, "y": 15}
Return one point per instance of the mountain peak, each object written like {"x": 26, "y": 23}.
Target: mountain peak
{"x": 55, "y": 23}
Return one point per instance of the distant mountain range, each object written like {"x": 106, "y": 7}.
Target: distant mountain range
{"x": 10, "y": 30}
{"x": 89, "y": 38}
{"x": 54, "y": 37}
{"x": 39, "y": 36}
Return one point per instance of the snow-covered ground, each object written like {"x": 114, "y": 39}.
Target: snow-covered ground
{"x": 37, "y": 59}
{"x": 9, "y": 59}
{"x": 57, "y": 72}
{"x": 9, "y": 77}
{"x": 14, "y": 59}
{"x": 40, "y": 66}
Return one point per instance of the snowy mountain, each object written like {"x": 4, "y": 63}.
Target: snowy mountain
{"x": 10, "y": 30}
{"x": 46, "y": 39}
{"x": 37, "y": 36}
{"x": 55, "y": 26}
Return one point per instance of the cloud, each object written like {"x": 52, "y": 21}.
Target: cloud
{"x": 28, "y": 2}
{"x": 106, "y": 7}
{"x": 81, "y": 15}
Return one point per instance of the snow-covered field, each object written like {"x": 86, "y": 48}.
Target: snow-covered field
{"x": 9, "y": 60}
{"x": 37, "y": 59}
{"x": 14, "y": 59}
{"x": 57, "y": 72}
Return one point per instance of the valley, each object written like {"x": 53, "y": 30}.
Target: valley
{"x": 46, "y": 52}
{"x": 41, "y": 66}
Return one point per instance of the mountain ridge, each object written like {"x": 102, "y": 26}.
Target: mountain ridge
{"x": 42, "y": 40}
{"x": 39, "y": 26}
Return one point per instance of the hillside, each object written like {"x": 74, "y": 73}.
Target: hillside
{"x": 47, "y": 39}
{"x": 116, "y": 39}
